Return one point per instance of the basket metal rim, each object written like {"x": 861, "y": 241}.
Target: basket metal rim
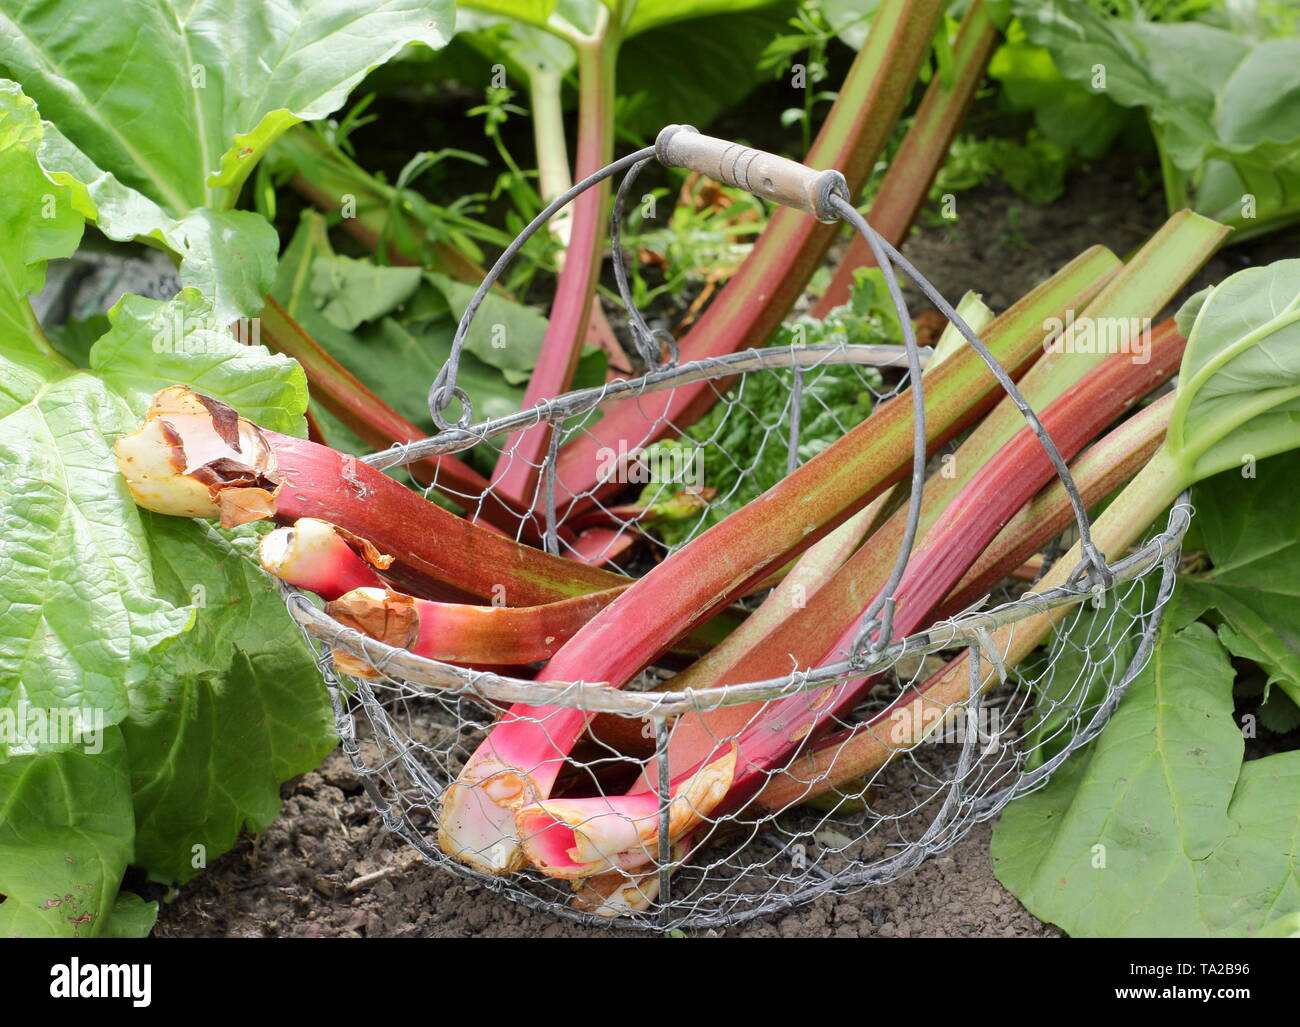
{"x": 582, "y": 401}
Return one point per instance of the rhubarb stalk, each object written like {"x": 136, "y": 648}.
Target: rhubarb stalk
{"x": 1145, "y": 284}
{"x": 459, "y": 633}
{"x": 516, "y": 472}
{"x": 748, "y": 309}
{"x": 516, "y": 765}
{"x": 912, "y": 171}
{"x": 315, "y": 555}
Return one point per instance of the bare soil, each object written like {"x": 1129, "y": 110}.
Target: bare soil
{"x": 327, "y": 866}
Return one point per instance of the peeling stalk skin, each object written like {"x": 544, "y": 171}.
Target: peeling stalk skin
{"x": 912, "y": 171}
{"x": 754, "y": 301}
{"x": 769, "y": 734}
{"x": 369, "y": 417}
{"x": 179, "y": 464}
{"x": 314, "y": 555}
{"x": 457, "y": 633}
{"x": 518, "y": 761}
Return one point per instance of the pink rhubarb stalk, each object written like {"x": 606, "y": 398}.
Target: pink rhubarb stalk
{"x": 315, "y": 555}
{"x": 516, "y": 472}
{"x": 751, "y": 305}
{"x": 914, "y": 167}
{"x": 517, "y": 764}
{"x": 458, "y": 633}
{"x": 561, "y": 836}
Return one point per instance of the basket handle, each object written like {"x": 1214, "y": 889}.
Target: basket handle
{"x": 763, "y": 174}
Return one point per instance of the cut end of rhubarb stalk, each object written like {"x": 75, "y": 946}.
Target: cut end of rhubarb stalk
{"x": 384, "y": 615}
{"x": 477, "y": 821}
{"x": 575, "y": 838}
{"x": 196, "y": 457}
{"x": 615, "y": 895}
{"x": 388, "y": 616}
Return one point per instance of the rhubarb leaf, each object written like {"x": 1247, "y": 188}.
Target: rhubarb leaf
{"x": 1253, "y": 583}
{"x": 180, "y": 100}
{"x": 1157, "y": 828}
{"x": 1222, "y": 104}
{"x": 1239, "y": 385}
{"x": 79, "y": 612}
{"x": 227, "y": 255}
{"x": 164, "y": 109}
{"x": 66, "y": 833}
{"x": 152, "y": 344}
{"x": 231, "y": 711}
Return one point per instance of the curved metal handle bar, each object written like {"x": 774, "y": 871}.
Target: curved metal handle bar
{"x": 444, "y": 386}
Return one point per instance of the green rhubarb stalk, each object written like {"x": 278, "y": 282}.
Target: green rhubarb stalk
{"x": 912, "y": 171}
{"x": 751, "y": 305}
{"x": 516, "y": 765}
{"x": 1150, "y": 279}
{"x": 1237, "y": 401}
{"x": 818, "y": 565}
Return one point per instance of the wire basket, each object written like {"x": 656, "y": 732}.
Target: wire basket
{"x": 410, "y": 728}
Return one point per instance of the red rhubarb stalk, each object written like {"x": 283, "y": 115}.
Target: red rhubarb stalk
{"x": 751, "y": 305}
{"x": 560, "y": 836}
{"x": 458, "y": 633}
{"x": 195, "y": 457}
{"x": 517, "y": 763}
{"x": 1103, "y": 468}
{"x": 373, "y": 420}
{"x": 914, "y": 167}
{"x": 516, "y": 472}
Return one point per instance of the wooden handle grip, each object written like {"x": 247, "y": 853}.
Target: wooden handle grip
{"x": 763, "y": 174}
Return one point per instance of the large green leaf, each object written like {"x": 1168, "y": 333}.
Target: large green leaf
{"x": 180, "y": 99}
{"x": 1158, "y": 828}
{"x": 79, "y": 612}
{"x": 164, "y": 107}
{"x": 231, "y": 710}
{"x": 152, "y": 344}
{"x": 1254, "y": 584}
{"x": 1223, "y": 104}
{"x": 66, "y": 831}
{"x": 1239, "y": 383}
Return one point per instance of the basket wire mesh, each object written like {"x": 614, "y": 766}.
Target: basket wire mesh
{"x": 410, "y": 727}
